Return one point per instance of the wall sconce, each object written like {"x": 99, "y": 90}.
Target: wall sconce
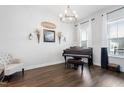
{"x": 64, "y": 39}
{"x": 30, "y": 36}
{"x": 38, "y": 35}
{"x": 59, "y": 36}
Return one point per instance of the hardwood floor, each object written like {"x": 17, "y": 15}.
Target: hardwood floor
{"x": 59, "y": 76}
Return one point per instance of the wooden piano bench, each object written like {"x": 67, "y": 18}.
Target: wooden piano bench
{"x": 76, "y": 63}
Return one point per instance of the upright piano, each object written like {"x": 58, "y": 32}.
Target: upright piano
{"x": 79, "y": 53}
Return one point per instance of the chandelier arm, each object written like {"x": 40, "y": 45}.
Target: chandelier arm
{"x": 69, "y": 15}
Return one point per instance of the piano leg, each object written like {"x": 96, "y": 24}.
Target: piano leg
{"x": 65, "y": 61}
{"x": 75, "y": 66}
{"x": 82, "y": 66}
{"x": 90, "y": 62}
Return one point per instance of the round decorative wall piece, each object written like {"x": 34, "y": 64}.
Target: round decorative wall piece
{"x": 48, "y": 25}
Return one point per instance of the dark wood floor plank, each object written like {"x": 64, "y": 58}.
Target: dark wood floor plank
{"x": 59, "y": 76}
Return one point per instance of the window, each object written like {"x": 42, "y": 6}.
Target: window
{"x": 84, "y": 31}
{"x": 84, "y": 38}
{"x": 116, "y": 37}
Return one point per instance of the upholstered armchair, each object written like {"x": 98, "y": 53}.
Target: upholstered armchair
{"x": 11, "y": 65}
{"x": 1, "y": 72}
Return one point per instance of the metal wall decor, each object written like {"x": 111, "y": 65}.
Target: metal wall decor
{"x": 48, "y": 25}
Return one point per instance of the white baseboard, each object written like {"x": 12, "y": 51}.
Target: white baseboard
{"x": 97, "y": 64}
{"x": 42, "y": 65}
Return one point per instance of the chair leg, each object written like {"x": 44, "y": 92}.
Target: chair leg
{"x": 2, "y": 78}
{"x": 75, "y": 66}
{"x": 23, "y": 71}
{"x": 8, "y": 78}
{"x": 2, "y": 83}
{"x": 82, "y": 69}
{"x": 65, "y": 65}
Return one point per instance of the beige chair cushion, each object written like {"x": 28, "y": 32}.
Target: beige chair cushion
{"x": 6, "y": 58}
{"x": 12, "y": 68}
{"x": 1, "y": 68}
{"x": 11, "y": 65}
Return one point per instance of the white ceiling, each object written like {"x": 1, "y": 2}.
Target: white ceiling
{"x": 85, "y": 10}
{"x": 82, "y": 10}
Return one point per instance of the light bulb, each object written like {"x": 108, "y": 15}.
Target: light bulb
{"x": 60, "y": 15}
{"x": 76, "y": 16}
{"x": 74, "y": 12}
{"x": 65, "y": 11}
{"x": 70, "y": 18}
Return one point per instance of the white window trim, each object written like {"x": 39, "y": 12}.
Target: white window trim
{"x": 112, "y": 55}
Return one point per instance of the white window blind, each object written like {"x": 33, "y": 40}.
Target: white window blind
{"x": 116, "y": 32}
{"x": 84, "y": 30}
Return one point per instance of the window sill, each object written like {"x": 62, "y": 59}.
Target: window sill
{"x": 115, "y": 56}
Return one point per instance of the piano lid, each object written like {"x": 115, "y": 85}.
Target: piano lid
{"x": 78, "y": 50}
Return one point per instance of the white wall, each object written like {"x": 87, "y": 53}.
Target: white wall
{"x": 16, "y": 22}
{"x": 97, "y": 37}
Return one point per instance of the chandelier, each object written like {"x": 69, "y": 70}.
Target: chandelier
{"x": 69, "y": 16}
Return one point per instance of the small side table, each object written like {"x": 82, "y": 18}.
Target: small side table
{"x": 114, "y": 67}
